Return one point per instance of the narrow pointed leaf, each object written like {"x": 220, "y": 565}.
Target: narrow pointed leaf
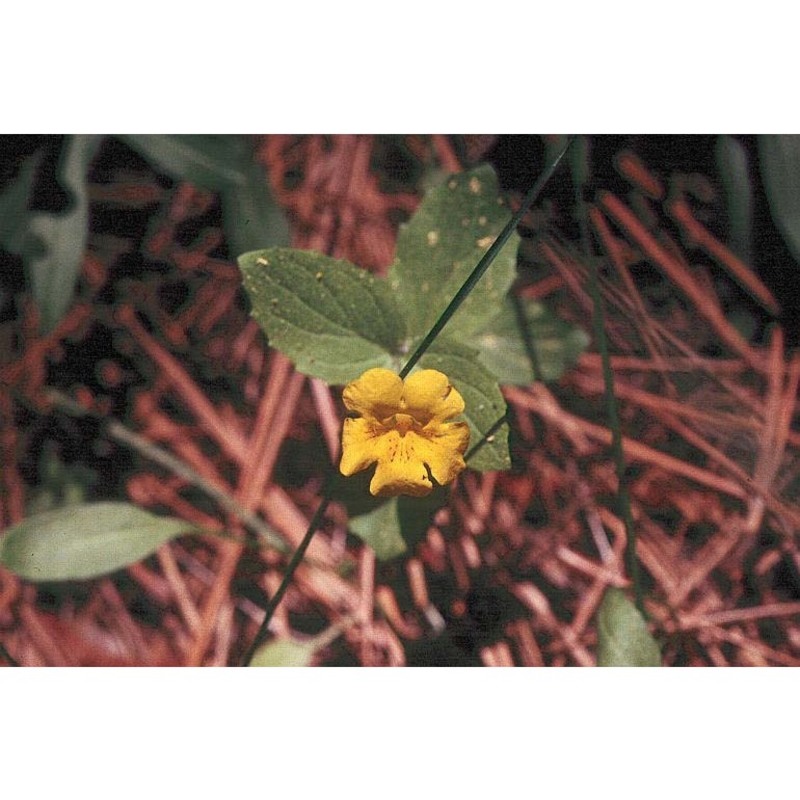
{"x": 14, "y": 205}
{"x": 78, "y": 542}
{"x": 779, "y": 162}
{"x": 207, "y": 160}
{"x": 251, "y": 216}
{"x": 224, "y": 164}
{"x": 622, "y": 636}
{"x": 734, "y": 173}
{"x": 331, "y": 318}
{"x": 438, "y": 248}
{"x": 55, "y": 242}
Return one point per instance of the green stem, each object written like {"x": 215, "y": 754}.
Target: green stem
{"x": 623, "y": 494}
{"x": 293, "y": 564}
{"x": 116, "y": 430}
{"x": 485, "y": 439}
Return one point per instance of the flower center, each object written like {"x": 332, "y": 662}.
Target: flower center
{"x": 403, "y": 423}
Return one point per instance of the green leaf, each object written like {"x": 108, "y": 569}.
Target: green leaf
{"x": 622, "y": 636}
{"x": 331, "y": 318}
{"x": 251, "y": 216}
{"x": 211, "y": 161}
{"x": 289, "y": 653}
{"x": 380, "y": 529}
{"x": 579, "y": 157}
{"x": 485, "y": 406}
{"x": 59, "y": 484}
{"x": 284, "y": 653}
{"x": 393, "y": 527}
{"x": 223, "y": 164}
{"x": 779, "y": 160}
{"x": 554, "y": 344}
{"x": 53, "y": 249}
{"x": 14, "y": 206}
{"x": 734, "y": 172}
{"x": 441, "y": 244}
{"x": 79, "y": 542}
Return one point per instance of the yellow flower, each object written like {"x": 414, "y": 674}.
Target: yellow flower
{"x": 403, "y": 427}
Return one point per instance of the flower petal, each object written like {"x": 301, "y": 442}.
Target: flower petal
{"x": 400, "y": 469}
{"x": 402, "y": 427}
{"x": 428, "y": 395}
{"x": 360, "y": 440}
{"x": 376, "y": 394}
{"x": 442, "y": 449}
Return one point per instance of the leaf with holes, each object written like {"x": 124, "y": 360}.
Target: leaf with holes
{"x": 78, "y": 542}
{"x": 439, "y": 247}
{"x": 527, "y": 342}
{"x": 622, "y": 636}
{"x": 331, "y": 318}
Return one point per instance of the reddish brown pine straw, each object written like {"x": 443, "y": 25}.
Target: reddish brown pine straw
{"x": 513, "y": 569}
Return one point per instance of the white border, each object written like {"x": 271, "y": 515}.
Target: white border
{"x": 622, "y": 733}
{"x": 351, "y": 66}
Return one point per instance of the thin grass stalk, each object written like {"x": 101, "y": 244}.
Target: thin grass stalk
{"x": 598, "y": 318}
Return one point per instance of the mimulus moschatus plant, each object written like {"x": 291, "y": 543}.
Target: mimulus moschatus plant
{"x": 421, "y": 382}
{"x": 336, "y": 322}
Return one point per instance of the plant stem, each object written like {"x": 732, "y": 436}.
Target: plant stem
{"x": 116, "y": 430}
{"x": 293, "y": 564}
{"x": 623, "y": 495}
